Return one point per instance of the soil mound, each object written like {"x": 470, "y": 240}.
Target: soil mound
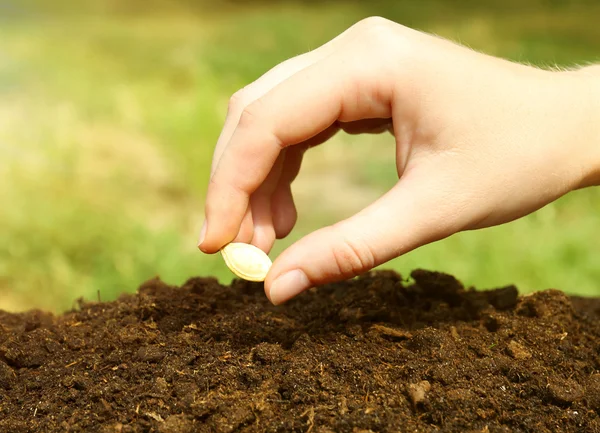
{"x": 377, "y": 353}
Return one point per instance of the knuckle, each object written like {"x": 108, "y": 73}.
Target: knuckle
{"x": 382, "y": 41}
{"x": 386, "y": 39}
{"x": 352, "y": 257}
{"x": 248, "y": 117}
{"x": 374, "y": 26}
{"x": 238, "y": 101}
{"x": 253, "y": 118}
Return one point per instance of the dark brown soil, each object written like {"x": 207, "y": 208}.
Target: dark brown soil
{"x": 372, "y": 354}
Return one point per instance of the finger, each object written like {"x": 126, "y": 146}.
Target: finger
{"x": 282, "y": 201}
{"x": 294, "y": 111}
{"x": 260, "y": 202}
{"x": 248, "y": 95}
{"x": 241, "y": 99}
{"x": 284, "y": 211}
{"x": 264, "y": 232}
{"x": 415, "y": 212}
{"x": 247, "y": 228}
{"x": 265, "y": 83}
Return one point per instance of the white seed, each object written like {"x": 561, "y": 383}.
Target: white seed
{"x": 246, "y": 261}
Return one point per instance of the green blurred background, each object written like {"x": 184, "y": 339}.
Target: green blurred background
{"x": 109, "y": 111}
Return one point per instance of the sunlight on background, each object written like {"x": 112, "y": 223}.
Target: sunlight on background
{"x": 109, "y": 112}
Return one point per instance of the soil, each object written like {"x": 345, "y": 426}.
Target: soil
{"x": 377, "y": 353}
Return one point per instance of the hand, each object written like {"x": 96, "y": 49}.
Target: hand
{"x": 480, "y": 141}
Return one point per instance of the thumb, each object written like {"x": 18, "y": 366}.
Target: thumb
{"x": 408, "y": 216}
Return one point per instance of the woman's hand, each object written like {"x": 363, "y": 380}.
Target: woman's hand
{"x": 480, "y": 141}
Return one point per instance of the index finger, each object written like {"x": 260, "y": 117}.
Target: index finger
{"x": 292, "y": 112}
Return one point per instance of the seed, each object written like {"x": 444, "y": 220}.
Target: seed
{"x": 246, "y": 261}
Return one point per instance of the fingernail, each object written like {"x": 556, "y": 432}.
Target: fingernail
{"x": 288, "y": 285}
{"x": 202, "y": 234}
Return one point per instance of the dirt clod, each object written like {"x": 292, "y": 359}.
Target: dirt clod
{"x": 517, "y": 351}
{"x": 417, "y": 392}
{"x": 150, "y": 354}
{"x": 7, "y": 376}
{"x": 565, "y": 391}
{"x": 374, "y": 354}
{"x": 177, "y": 424}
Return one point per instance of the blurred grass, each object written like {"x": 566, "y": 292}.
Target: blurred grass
{"x": 109, "y": 113}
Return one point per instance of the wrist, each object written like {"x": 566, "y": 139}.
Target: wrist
{"x": 585, "y": 92}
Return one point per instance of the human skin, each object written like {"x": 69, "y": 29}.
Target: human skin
{"x": 480, "y": 141}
